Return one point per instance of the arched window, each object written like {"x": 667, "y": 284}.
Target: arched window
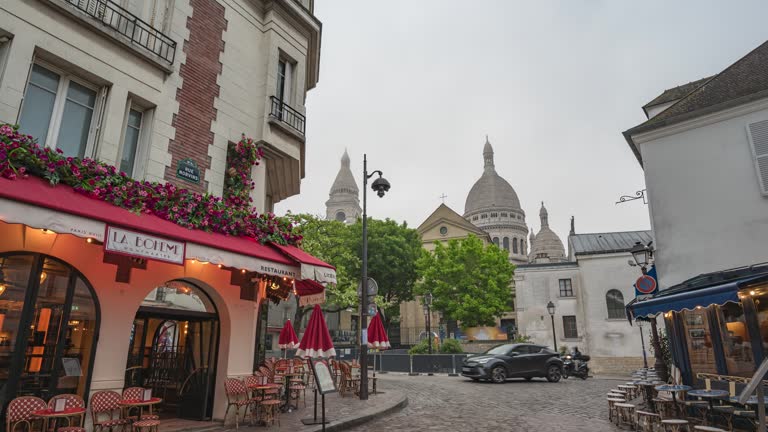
{"x": 506, "y": 244}
{"x": 48, "y": 329}
{"x": 341, "y": 217}
{"x": 514, "y": 245}
{"x": 522, "y": 247}
{"x": 615, "y": 301}
{"x": 496, "y": 241}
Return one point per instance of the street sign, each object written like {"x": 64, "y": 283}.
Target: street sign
{"x": 645, "y": 284}
{"x": 372, "y": 309}
{"x": 373, "y": 287}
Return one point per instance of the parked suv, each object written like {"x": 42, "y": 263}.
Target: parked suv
{"x": 514, "y": 361}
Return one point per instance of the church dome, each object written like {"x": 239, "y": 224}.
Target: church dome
{"x": 546, "y": 244}
{"x": 345, "y": 181}
{"x": 490, "y": 191}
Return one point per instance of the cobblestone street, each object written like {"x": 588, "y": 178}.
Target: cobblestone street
{"x": 454, "y": 403}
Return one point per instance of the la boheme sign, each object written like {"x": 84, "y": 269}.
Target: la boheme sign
{"x": 142, "y": 245}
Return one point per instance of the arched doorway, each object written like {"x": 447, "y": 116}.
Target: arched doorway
{"x": 173, "y": 346}
{"x": 49, "y": 324}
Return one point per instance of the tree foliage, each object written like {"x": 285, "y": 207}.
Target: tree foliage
{"x": 469, "y": 281}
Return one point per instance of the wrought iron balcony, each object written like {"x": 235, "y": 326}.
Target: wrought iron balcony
{"x": 283, "y": 112}
{"x": 127, "y": 24}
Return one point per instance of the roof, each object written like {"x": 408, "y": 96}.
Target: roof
{"x": 676, "y": 93}
{"x": 716, "y": 278}
{"x": 547, "y": 264}
{"x": 447, "y": 214}
{"x": 604, "y": 243}
{"x": 491, "y": 191}
{"x": 744, "y": 81}
{"x": 345, "y": 181}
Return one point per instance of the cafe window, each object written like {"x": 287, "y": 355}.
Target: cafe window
{"x": 699, "y": 340}
{"x": 761, "y": 307}
{"x": 49, "y": 320}
{"x": 737, "y": 346}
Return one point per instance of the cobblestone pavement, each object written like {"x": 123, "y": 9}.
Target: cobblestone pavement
{"x": 454, "y": 403}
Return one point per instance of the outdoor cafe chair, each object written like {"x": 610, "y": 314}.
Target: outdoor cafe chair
{"x": 674, "y": 425}
{"x": 647, "y": 421}
{"x": 237, "y": 397}
{"x": 626, "y": 414}
{"x": 70, "y": 401}
{"x": 106, "y": 410}
{"x": 348, "y": 383}
{"x": 20, "y": 411}
{"x": 136, "y": 393}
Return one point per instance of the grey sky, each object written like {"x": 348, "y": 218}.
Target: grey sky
{"x": 418, "y": 84}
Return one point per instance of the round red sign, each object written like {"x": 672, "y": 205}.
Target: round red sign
{"x": 645, "y": 284}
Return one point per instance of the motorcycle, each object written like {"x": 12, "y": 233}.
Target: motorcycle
{"x": 571, "y": 369}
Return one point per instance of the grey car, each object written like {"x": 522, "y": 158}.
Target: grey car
{"x": 514, "y": 361}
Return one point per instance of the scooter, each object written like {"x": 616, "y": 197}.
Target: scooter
{"x": 570, "y": 368}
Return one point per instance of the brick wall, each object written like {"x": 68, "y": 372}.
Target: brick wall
{"x": 198, "y": 91}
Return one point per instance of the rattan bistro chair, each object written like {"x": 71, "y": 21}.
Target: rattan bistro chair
{"x": 20, "y": 411}
{"x": 237, "y": 397}
{"x": 105, "y": 411}
{"x": 70, "y": 401}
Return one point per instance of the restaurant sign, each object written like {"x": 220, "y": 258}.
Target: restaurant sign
{"x": 122, "y": 241}
{"x": 312, "y": 299}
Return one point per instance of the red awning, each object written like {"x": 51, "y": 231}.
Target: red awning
{"x": 68, "y": 212}
{"x": 312, "y": 268}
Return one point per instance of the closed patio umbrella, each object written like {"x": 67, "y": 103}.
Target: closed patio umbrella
{"x": 288, "y": 339}
{"x": 316, "y": 343}
{"x": 377, "y": 338}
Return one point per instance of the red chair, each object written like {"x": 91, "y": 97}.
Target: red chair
{"x": 105, "y": 411}
{"x": 71, "y": 401}
{"x": 136, "y": 393}
{"x": 20, "y": 412}
{"x": 237, "y": 396}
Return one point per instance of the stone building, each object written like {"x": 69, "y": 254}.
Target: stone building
{"x": 344, "y": 198}
{"x": 160, "y": 89}
{"x": 493, "y": 206}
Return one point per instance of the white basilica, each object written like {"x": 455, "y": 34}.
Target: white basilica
{"x": 344, "y": 199}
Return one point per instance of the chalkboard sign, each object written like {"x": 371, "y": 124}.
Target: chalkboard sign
{"x": 323, "y": 377}
{"x": 187, "y": 170}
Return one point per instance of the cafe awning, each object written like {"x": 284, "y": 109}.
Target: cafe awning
{"x": 35, "y": 203}
{"x": 312, "y": 268}
{"x": 688, "y": 297}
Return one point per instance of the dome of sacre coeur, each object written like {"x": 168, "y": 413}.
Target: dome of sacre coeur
{"x": 546, "y": 243}
{"x": 345, "y": 181}
{"x": 490, "y": 191}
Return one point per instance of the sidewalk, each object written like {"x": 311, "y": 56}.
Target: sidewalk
{"x": 343, "y": 413}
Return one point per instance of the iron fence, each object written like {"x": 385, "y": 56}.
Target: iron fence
{"x": 283, "y": 112}
{"x": 129, "y": 25}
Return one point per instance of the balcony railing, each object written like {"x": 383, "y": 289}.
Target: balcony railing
{"x": 139, "y": 32}
{"x": 281, "y": 111}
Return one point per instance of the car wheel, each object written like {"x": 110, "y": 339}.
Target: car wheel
{"x": 553, "y": 373}
{"x": 498, "y": 374}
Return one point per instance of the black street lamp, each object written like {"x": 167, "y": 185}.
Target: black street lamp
{"x": 551, "y": 310}
{"x": 428, "y": 317}
{"x": 380, "y": 186}
{"x": 642, "y": 255}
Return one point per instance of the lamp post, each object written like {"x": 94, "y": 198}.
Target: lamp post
{"x": 428, "y": 317}
{"x": 642, "y": 342}
{"x": 380, "y": 186}
{"x": 643, "y": 255}
{"x": 551, "y": 310}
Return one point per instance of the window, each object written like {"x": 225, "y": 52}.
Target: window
{"x": 759, "y": 143}
{"x": 699, "y": 341}
{"x": 341, "y": 217}
{"x": 514, "y": 245}
{"x": 737, "y": 345}
{"x": 615, "y": 301}
{"x": 484, "y": 216}
{"x": 494, "y": 215}
{"x": 474, "y": 217}
{"x": 59, "y": 111}
{"x": 569, "y": 327}
{"x": 522, "y": 246}
{"x": 131, "y": 140}
{"x": 506, "y": 244}
{"x": 496, "y": 241}
{"x": 443, "y": 230}
{"x": 504, "y": 214}
{"x": 284, "y": 78}
{"x": 566, "y": 289}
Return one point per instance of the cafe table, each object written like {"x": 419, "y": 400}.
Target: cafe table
{"x": 647, "y": 387}
{"x": 261, "y": 389}
{"x": 709, "y": 394}
{"x": 287, "y": 407}
{"x": 674, "y": 389}
{"x": 131, "y": 403}
{"x": 48, "y": 414}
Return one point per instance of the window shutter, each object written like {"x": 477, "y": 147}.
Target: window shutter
{"x": 758, "y": 137}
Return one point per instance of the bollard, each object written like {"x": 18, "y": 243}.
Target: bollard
{"x": 453, "y": 363}
{"x": 410, "y": 366}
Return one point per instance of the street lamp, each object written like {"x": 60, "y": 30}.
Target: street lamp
{"x": 640, "y": 325}
{"x": 642, "y": 255}
{"x": 380, "y": 186}
{"x": 428, "y": 315}
{"x": 551, "y": 310}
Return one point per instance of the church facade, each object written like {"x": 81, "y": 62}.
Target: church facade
{"x": 344, "y": 198}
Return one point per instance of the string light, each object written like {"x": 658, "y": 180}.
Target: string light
{"x": 89, "y": 240}
{"x": 242, "y": 271}
{"x": 752, "y": 292}
{"x": 219, "y": 266}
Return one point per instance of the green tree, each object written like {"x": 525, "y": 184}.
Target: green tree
{"x": 331, "y": 242}
{"x": 469, "y": 281}
{"x": 393, "y": 250}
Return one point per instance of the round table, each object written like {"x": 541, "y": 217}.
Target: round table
{"x": 674, "y": 389}
{"x": 261, "y": 389}
{"x": 287, "y": 381}
{"x": 49, "y": 414}
{"x": 709, "y": 394}
{"x": 648, "y": 391}
{"x": 751, "y": 401}
{"x": 131, "y": 403}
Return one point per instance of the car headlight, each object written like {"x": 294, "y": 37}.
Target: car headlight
{"x": 483, "y": 361}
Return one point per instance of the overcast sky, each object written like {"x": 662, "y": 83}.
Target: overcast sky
{"x": 418, "y": 84}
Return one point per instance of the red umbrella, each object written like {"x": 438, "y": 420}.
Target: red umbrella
{"x": 288, "y": 339}
{"x": 377, "y": 337}
{"x": 316, "y": 341}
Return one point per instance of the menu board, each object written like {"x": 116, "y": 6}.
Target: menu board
{"x": 71, "y": 366}
{"x": 323, "y": 377}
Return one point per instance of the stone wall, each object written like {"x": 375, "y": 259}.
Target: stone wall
{"x": 615, "y": 365}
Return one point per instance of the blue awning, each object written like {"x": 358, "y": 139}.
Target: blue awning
{"x": 690, "y": 299}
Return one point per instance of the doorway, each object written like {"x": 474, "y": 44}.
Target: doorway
{"x": 173, "y": 345}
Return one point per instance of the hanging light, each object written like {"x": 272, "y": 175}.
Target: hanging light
{"x": 551, "y": 308}
{"x": 47, "y": 231}
{"x": 641, "y": 253}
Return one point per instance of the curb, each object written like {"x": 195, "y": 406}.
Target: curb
{"x": 364, "y": 417}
